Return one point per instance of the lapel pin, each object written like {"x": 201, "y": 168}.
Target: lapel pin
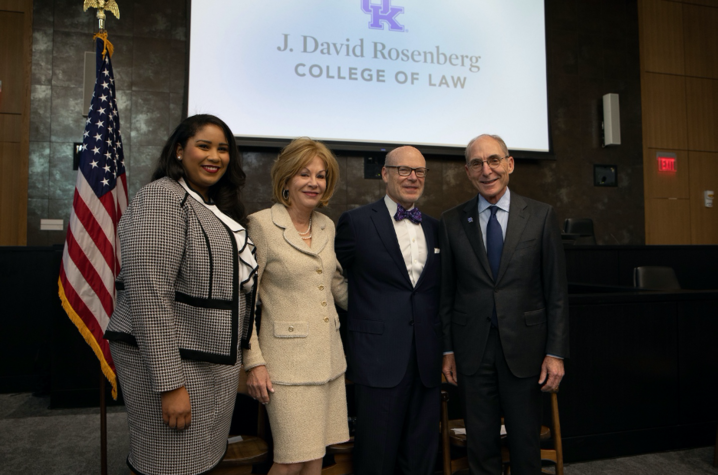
{"x": 471, "y": 220}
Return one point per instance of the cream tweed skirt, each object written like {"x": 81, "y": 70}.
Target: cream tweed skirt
{"x": 305, "y": 419}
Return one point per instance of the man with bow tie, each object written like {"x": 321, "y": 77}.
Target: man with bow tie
{"x": 390, "y": 254}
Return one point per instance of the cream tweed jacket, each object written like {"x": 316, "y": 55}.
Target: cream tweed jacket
{"x": 298, "y": 339}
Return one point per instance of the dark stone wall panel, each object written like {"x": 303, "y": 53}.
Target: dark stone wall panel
{"x": 124, "y": 109}
{"x": 38, "y": 170}
{"x": 456, "y": 186}
{"x": 151, "y": 65}
{"x": 140, "y": 167}
{"x": 123, "y": 62}
{"x": 258, "y": 187}
{"x": 359, "y": 190}
{"x": 175, "y": 65}
{"x": 62, "y": 177}
{"x": 340, "y": 191}
{"x": 40, "y": 113}
{"x": 43, "y": 14}
{"x": 68, "y": 16}
{"x": 154, "y": 19}
{"x": 68, "y": 57}
{"x": 67, "y": 123}
{"x": 150, "y": 118}
{"x": 177, "y": 108}
{"x": 42, "y": 46}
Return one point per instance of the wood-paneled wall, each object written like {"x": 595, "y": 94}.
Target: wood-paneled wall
{"x": 679, "y": 83}
{"x": 15, "y": 70}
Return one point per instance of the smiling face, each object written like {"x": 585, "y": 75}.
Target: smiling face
{"x": 204, "y": 158}
{"x": 405, "y": 190}
{"x": 307, "y": 187}
{"x": 491, "y": 182}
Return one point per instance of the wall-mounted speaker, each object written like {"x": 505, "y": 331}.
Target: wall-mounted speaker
{"x": 611, "y": 120}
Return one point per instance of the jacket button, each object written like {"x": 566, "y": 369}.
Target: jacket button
{"x": 291, "y": 328}
{"x": 321, "y": 287}
{"x": 324, "y": 304}
{"x": 319, "y": 271}
{"x": 326, "y": 319}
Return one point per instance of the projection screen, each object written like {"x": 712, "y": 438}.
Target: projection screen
{"x": 372, "y": 72}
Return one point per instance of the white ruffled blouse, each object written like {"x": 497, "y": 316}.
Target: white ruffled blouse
{"x": 248, "y": 267}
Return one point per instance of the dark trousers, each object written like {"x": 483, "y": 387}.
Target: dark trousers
{"x": 397, "y": 428}
{"x": 492, "y": 391}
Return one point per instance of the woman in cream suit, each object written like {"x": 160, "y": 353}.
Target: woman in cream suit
{"x": 296, "y": 361}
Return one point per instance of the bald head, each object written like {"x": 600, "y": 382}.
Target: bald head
{"x": 499, "y": 141}
{"x": 404, "y": 190}
{"x": 394, "y": 157}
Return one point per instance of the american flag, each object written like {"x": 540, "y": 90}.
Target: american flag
{"x": 91, "y": 259}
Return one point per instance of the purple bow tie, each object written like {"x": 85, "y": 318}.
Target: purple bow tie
{"x": 413, "y": 215}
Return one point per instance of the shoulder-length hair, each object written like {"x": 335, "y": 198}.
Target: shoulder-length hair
{"x": 226, "y": 193}
{"x": 293, "y": 158}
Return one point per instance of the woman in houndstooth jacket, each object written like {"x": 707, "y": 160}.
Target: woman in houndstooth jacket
{"x": 296, "y": 361}
{"x": 185, "y": 302}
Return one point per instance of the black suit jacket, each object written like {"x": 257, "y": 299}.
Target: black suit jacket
{"x": 530, "y": 292}
{"x": 385, "y": 311}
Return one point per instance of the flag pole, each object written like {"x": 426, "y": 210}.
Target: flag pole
{"x": 101, "y": 5}
{"x": 103, "y": 425}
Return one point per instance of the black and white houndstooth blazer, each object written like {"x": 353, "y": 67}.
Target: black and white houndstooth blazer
{"x": 178, "y": 291}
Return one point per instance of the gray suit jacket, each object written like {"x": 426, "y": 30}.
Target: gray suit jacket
{"x": 530, "y": 292}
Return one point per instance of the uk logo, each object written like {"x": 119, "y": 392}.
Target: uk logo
{"x": 381, "y": 14}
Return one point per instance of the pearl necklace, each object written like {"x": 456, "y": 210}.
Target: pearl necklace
{"x": 309, "y": 229}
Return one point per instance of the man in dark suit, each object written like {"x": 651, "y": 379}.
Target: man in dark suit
{"x": 504, "y": 309}
{"x": 389, "y": 252}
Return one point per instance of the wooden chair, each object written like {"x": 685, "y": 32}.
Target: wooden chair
{"x": 451, "y": 439}
{"x": 342, "y": 459}
{"x": 243, "y": 454}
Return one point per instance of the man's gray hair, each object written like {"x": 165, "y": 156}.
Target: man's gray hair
{"x": 498, "y": 139}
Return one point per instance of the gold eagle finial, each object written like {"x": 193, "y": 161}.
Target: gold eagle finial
{"x": 102, "y": 5}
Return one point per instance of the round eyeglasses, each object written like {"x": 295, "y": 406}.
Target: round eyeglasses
{"x": 493, "y": 162}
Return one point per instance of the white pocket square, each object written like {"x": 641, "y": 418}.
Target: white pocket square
{"x": 437, "y": 250}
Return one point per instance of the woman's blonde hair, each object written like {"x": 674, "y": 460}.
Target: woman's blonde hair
{"x": 293, "y": 158}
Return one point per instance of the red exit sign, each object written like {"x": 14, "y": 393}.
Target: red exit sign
{"x": 666, "y": 162}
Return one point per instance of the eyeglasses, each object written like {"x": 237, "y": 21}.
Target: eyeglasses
{"x": 493, "y": 162}
{"x": 406, "y": 171}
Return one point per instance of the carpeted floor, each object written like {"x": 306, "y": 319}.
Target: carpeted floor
{"x": 37, "y": 441}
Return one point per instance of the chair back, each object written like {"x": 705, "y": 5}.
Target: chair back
{"x": 655, "y": 278}
{"x": 583, "y": 227}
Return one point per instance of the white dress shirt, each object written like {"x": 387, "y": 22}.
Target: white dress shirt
{"x": 412, "y": 242}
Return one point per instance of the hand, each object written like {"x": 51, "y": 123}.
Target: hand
{"x": 176, "y": 408}
{"x": 551, "y": 373}
{"x": 449, "y": 369}
{"x": 259, "y": 384}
